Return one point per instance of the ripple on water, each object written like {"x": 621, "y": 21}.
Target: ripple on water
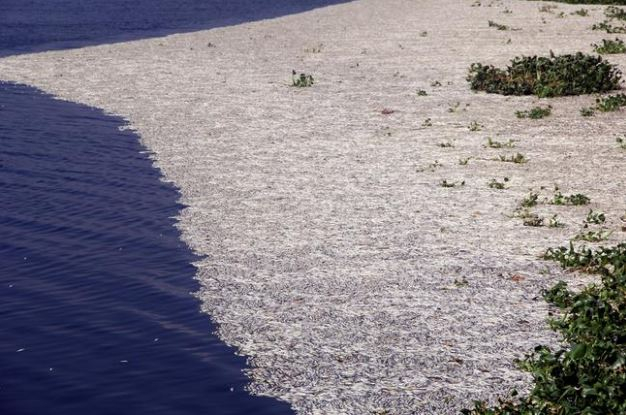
{"x": 95, "y": 311}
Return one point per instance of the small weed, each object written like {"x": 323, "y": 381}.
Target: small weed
{"x": 424, "y": 34}
{"x": 587, "y": 111}
{"x": 611, "y": 103}
{"x": 498, "y": 144}
{"x": 464, "y": 161}
{"x": 446, "y": 144}
{"x": 427, "y": 123}
{"x": 302, "y": 80}
{"x": 518, "y": 158}
{"x": 577, "y": 199}
{"x": 462, "y": 282}
{"x": 535, "y": 113}
{"x": 494, "y": 184}
{"x": 531, "y": 200}
{"x": 621, "y": 142}
{"x": 580, "y": 12}
{"x": 445, "y": 183}
{"x": 609, "y": 47}
{"x": 474, "y": 126}
{"x": 549, "y": 8}
{"x": 454, "y": 107}
{"x": 498, "y": 25}
{"x": 435, "y": 84}
{"x": 596, "y": 218}
{"x": 547, "y": 76}
{"x": 613, "y": 12}
{"x": 555, "y": 223}
{"x": 593, "y": 236}
{"x": 421, "y": 93}
{"x": 608, "y": 27}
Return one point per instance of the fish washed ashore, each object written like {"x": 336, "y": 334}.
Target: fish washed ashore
{"x": 332, "y": 255}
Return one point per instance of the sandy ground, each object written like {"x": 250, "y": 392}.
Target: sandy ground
{"x": 333, "y": 257}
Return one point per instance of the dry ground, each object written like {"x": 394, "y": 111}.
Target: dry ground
{"x": 331, "y": 250}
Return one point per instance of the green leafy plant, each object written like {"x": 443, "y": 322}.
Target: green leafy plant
{"x": 587, "y": 111}
{"x": 613, "y": 12}
{"x": 446, "y": 183}
{"x": 593, "y": 236}
{"x": 587, "y": 375}
{"x": 494, "y": 184}
{"x": 302, "y": 80}
{"x": 427, "y": 123}
{"x": 531, "y": 200}
{"x": 518, "y": 158}
{"x": 596, "y": 218}
{"x": 611, "y": 103}
{"x": 475, "y": 126}
{"x": 464, "y": 161}
{"x": 610, "y": 47}
{"x": 608, "y": 27}
{"x": 555, "y": 222}
{"x": 535, "y": 113}
{"x": 547, "y": 76}
{"x": 577, "y": 199}
{"x": 580, "y": 12}
{"x": 421, "y": 93}
{"x": 499, "y": 144}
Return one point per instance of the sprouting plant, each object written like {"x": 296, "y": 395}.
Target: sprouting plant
{"x": 580, "y": 12}
{"x": 551, "y": 76}
{"x": 301, "y": 81}
{"x": 507, "y": 11}
{"x": 475, "y": 126}
{"x": 494, "y": 184}
{"x": 446, "y": 144}
{"x": 421, "y": 93}
{"x": 593, "y": 236}
{"x": 518, "y": 158}
{"x": 535, "y": 113}
{"x": 587, "y": 112}
{"x": 454, "y": 107}
{"x": 445, "y": 183}
{"x": 577, "y": 199}
{"x": 427, "y": 123}
{"x": 498, "y": 25}
{"x": 461, "y": 282}
{"x": 621, "y": 142}
{"x": 613, "y": 12}
{"x": 464, "y": 161}
{"x": 498, "y": 144}
{"x": 531, "y": 200}
{"x": 435, "y": 84}
{"x": 608, "y": 27}
{"x": 610, "y": 47}
{"x": 555, "y": 223}
{"x": 611, "y": 102}
{"x": 548, "y": 8}
{"x": 596, "y": 218}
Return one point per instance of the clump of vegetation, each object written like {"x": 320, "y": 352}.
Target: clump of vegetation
{"x": 427, "y": 123}
{"x": 551, "y": 76}
{"x": 621, "y": 142}
{"x": 611, "y": 103}
{"x": 596, "y": 218}
{"x": 588, "y": 374}
{"x": 532, "y": 219}
{"x": 610, "y": 47}
{"x": 445, "y": 183}
{"x": 302, "y": 80}
{"x": 518, "y": 158}
{"x": 498, "y": 25}
{"x": 613, "y": 12}
{"x": 494, "y": 184}
{"x": 587, "y": 112}
{"x": 446, "y": 144}
{"x": 535, "y": 113}
{"x": 555, "y": 222}
{"x": 580, "y": 12}
{"x": 475, "y": 126}
{"x": 531, "y": 200}
{"x": 593, "y": 236}
{"x": 499, "y": 144}
{"x": 421, "y": 93}
{"x": 577, "y": 199}
{"x": 464, "y": 161}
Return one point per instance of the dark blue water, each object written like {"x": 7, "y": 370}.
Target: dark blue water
{"x": 52, "y": 24}
{"x": 95, "y": 311}
{"x": 96, "y": 315}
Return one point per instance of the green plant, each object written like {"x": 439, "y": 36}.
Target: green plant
{"x": 446, "y": 145}
{"x": 587, "y": 112}
{"x": 535, "y": 113}
{"x": 621, "y": 142}
{"x": 445, "y": 183}
{"x": 587, "y": 375}
{"x": 464, "y": 161}
{"x": 580, "y": 12}
{"x": 498, "y": 144}
{"x": 475, "y": 126}
{"x": 555, "y": 223}
{"x": 494, "y": 184}
{"x": 574, "y": 200}
{"x": 611, "y": 102}
{"x": 608, "y": 27}
{"x": 596, "y": 218}
{"x": 613, "y": 12}
{"x": 498, "y": 25}
{"x": 531, "y": 200}
{"x": 302, "y": 80}
{"x": 532, "y": 219}
{"x": 518, "y": 158}
{"x": 427, "y": 123}
{"x": 435, "y": 84}
{"x": 547, "y": 76}
{"x": 593, "y": 236}
{"x": 421, "y": 93}
{"x": 610, "y": 46}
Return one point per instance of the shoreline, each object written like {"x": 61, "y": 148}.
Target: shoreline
{"x": 331, "y": 252}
